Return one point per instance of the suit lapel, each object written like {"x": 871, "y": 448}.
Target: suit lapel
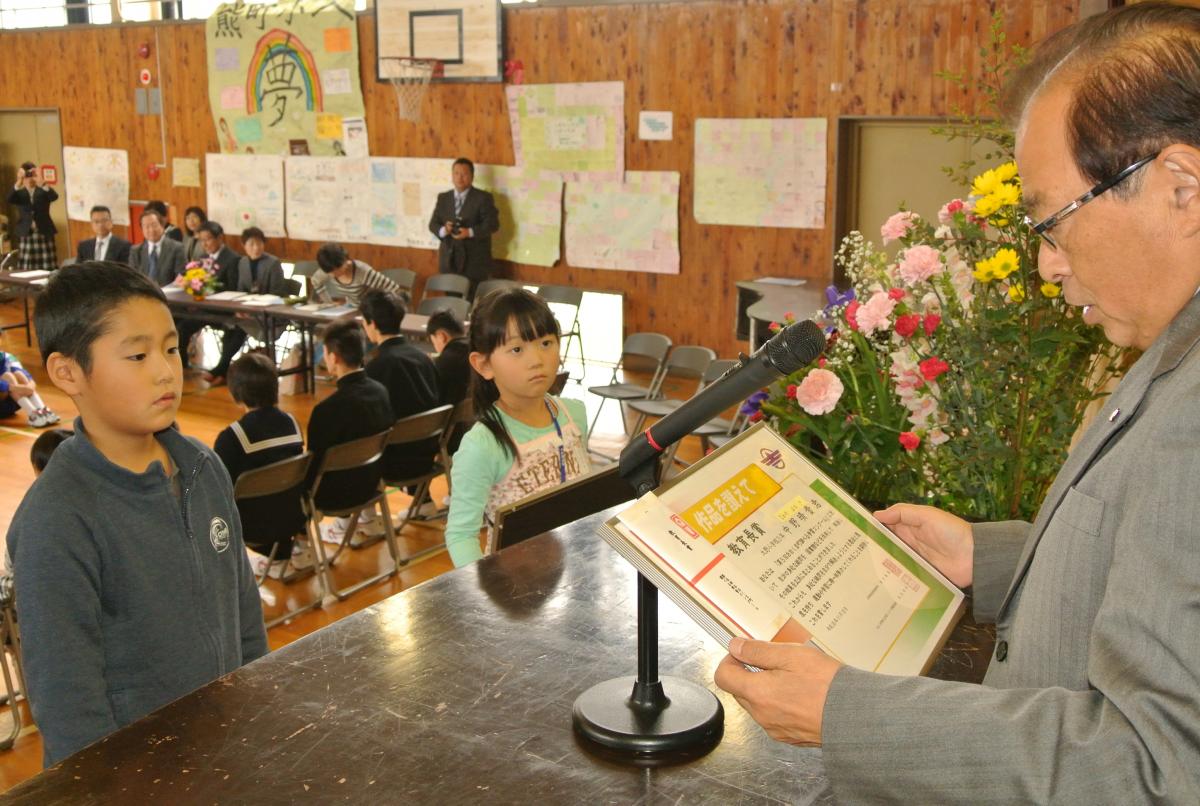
{"x": 1119, "y": 410}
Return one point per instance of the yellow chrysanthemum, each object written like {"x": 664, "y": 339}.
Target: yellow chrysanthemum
{"x": 998, "y": 266}
{"x": 1051, "y": 290}
{"x": 1016, "y": 292}
{"x": 1007, "y": 195}
{"x": 983, "y": 271}
{"x": 986, "y": 183}
{"x": 986, "y": 205}
{"x": 1007, "y": 172}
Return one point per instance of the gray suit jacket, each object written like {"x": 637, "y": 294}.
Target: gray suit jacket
{"x": 1093, "y": 693}
{"x": 170, "y": 260}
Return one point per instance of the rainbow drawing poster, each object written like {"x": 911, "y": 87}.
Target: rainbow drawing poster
{"x": 282, "y": 77}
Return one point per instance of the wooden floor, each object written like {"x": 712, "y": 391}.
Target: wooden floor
{"x": 203, "y": 414}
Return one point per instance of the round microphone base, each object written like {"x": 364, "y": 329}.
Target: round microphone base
{"x": 667, "y": 722}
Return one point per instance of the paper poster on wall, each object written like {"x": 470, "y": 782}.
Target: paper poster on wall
{"x": 655, "y": 125}
{"x": 354, "y": 137}
{"x": 96, "y": 176}
{"x": 283, "y": 72}
{"x": 530, "y": 207}
{"x": 185, "y": 172}
{"x": 631, "y": 225}
{"x": 325, "y": 199}
{"x": 246, "y": 190}
{"x": 404, "y": 191}
{"x": 760, "y": 172}
{"x": 577, "y": 130}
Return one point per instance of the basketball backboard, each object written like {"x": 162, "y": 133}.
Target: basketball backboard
{"x": 464, "y": 35}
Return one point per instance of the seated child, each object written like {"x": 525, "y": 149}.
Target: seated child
{"x": 134, "y": 583}
{"x": 526, "y": 440}
{"x": 449, "y": 339}
{"x": 407, "y": 373}
{"x": 264, "y": 435}
{"x": 359, "y": 407}
{"x": 19, "y": 391}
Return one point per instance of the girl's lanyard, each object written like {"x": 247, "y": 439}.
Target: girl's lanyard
{"x": 562, "y": 453}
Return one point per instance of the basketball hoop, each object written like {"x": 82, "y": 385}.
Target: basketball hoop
{"x": 410, "y": 79}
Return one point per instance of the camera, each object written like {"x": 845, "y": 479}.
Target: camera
{"x": 30, "y": 173}
{"x": 456, "y": 227}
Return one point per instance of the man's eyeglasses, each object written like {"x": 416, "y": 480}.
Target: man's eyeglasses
{"x": 1044, "y": 226}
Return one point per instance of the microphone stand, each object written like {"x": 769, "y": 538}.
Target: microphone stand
{"x": 648, "y": 720}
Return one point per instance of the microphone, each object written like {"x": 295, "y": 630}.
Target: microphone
{"x": 792, "y": 348}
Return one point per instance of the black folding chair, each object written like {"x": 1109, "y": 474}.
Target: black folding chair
{"x": 434, "y": 424}
{"x": 283, "y": 483}
{"x": 359, "y": 453}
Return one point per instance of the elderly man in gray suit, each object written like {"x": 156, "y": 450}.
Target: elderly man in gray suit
{"x": 1093, "y": 692}
{"x": 159, "y": 258}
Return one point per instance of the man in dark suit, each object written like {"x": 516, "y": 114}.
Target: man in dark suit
{"x": 464, "y": 220}
{"x": 407, "y": 373}
{"x": 159, "y": 258}
{"x": 358, "y": 408}
{"x": 225, "y": 261}
{"x": 105, "y": 246}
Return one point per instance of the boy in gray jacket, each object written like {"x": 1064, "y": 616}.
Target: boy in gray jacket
{"x": 133, "y": 586}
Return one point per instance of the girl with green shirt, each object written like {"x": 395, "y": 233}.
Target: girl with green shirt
{"x": 526, "y": 440}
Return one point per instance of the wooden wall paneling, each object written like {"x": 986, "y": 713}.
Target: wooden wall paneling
{"x": 712, "y": 58}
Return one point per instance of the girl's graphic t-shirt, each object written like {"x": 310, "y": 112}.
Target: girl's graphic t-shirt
{"x": 484, "y": 477}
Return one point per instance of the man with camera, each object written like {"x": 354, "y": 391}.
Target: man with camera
{"x": 464, "y": 220}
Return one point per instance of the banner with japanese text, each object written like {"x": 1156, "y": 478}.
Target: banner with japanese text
{"x": 282, "y": 77}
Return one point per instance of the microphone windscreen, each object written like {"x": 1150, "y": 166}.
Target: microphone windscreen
{"x": 796, "y": 346}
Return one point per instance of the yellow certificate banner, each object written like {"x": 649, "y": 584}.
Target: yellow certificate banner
{"x": 714, "y": 515}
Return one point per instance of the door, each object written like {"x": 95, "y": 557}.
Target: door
{"x": 33, "y": 135}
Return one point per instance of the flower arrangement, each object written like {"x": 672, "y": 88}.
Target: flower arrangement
{"x": 199, "y": 278}
{"x": 954, "y": 375}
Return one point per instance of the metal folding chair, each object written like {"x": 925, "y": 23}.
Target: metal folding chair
{"x": 305, "y": 268}
{"x": 349, "y": 456}
{"x": 641, "y": 352}
{"x": 714, "y": 427}
{"x": 486, "y": 287}
{"x": 455, "y": 285}
{"x": 456, "y": 305}
{"x": 405, "y": 278}
{"x": 71, "y": 261}
{"x": 433, "y": 424}
{"x": 285, "y": 476}
{"x": 571, "y": 297}
{"x": 685, "y": 363}
{"x": 10, "y": 645}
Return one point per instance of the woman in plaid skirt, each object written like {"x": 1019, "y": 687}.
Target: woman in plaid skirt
{"x": 34, "y": 229}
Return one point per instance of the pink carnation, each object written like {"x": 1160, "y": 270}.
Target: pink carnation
{"x": 819, "y": 392}
{"x": 897, "y": 226}
{"x": 874, "y": 314}
{"x": 946, "y": 214}
{"x": 919, "y": 264}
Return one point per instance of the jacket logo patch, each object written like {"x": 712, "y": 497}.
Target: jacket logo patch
{"x": 218, "y": 534}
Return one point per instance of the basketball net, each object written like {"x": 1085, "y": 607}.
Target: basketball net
{"x": 410, "y": 83}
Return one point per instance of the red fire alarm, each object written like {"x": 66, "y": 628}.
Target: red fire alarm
{"x": 50, "y": 174}
{"x": 152, "y": 171}
{"x": 144, "y": 77}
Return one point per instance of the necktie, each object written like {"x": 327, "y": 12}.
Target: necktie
{"x": 458, "y": 203}
{"x": 100, "y": 249}
{"x": 153, "y": 259}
